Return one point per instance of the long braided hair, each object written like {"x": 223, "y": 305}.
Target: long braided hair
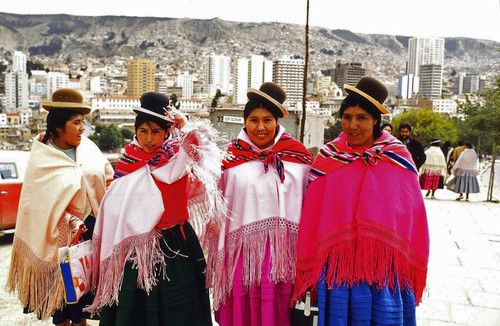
{"x": 57, "y": 118}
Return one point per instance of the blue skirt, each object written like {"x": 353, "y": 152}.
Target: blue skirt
{"x": 364, "y": 305}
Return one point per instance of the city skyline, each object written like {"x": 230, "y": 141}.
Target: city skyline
{"x": 444, "y": 18}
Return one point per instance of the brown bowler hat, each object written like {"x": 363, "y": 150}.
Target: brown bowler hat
{"x": 273, "y": 95}
{"x": 67, "y": 98}
{"x": 372, "y": 90}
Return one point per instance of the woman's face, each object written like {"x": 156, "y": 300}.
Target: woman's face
{"x": 357, "y": 125}
{"x": 150, "y": 136}
{"x": 71, "y": 135}
{"x": 388, "y": 129}
{"x": 261, "y": 127}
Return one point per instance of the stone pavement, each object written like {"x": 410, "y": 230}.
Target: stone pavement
{"x": 463, "y": 283}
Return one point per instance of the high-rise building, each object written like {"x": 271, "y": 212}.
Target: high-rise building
{"x": 250, "y": 73}
{"x": 16, "y": 83}
{"x": 347, "y": 73}
{"x": 19, "y": 61}
{"x": 424, "y": 51}
{"x": 466, "y": 84}
{"x": 431, "y": 86}
{"x": 16, "y": 89}
{"x": 219, "y": 72}
{"x": 186, "y": 82}
{"x": 55, "y": 81}
{"x": 289, "y": 74}
{"x": 140, "y": 77}
{"x": 407, "y": 85}
{"x": 241, "y": 74}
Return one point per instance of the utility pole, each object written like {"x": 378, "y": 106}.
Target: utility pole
{"x": 304, "y": 83}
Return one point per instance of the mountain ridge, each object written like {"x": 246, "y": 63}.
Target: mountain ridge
{"x": 181, "y": 42}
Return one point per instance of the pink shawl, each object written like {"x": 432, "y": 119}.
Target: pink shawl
{"x": 364, "y": 218}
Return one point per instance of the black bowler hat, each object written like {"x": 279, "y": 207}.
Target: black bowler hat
{"x": 273, "y": 95}
{"x": 372, "y": 90}
{"x": 156, "y": 105}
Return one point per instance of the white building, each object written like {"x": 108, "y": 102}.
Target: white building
{"x": 95, "y": 84}
{"x": 186, "y": 82}
{"x": 241, "y": 75}
{"x": 251, "y": 73}
{"x": 424, "y": 51}
{"x": 219, "y": 72}
{"x": 25, "y": 116}
{"x": 289, "y": 74}
{"x": 55, "y": 81}
{"x": 407, "y": 85}
{"x": 16, "y": 89}
{"x": 448, "y": 106}
{"x": 3, "y": 119}
{"x": 115, "y": 103}
{"x": 190, "y": 105}
{"x": 19, "y": 61}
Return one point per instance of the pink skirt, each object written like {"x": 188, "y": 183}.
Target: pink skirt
{"x": 264, "y": 305}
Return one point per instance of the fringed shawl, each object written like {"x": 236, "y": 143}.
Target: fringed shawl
{"x": 466, "y": 164}
{"x": 435, "y": 162}
{"x": 264, "y": 210}
{"x": 55, "y": 189}
{"x": 363, "y": 218}
{"x": 132, "y": 207}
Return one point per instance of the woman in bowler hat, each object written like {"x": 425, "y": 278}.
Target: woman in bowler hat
{"x": 363, "y": 241}
{"x": 65, "y": 181}
{"x": 251, "y": 263}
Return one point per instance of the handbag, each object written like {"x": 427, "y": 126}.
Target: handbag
{"x": 303, "y": 314}
{"x": 75, "y": 265}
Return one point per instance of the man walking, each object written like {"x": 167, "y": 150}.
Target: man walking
{"x": 414, "y": 146}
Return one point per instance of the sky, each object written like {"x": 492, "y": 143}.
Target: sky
{"x": 416, "y": 18}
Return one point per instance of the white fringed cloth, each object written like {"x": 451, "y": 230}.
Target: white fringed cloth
{"x": 263, "y": 212}
{"x": 55, "y": 192}
{"x": 435, "y": 162}
{"x": 132, "y": 207}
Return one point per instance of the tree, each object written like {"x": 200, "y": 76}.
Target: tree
{"x": 215, "y": 100}
{"x": 483, "y": 118}
{"x": 427, "y": 124}
{"x": 175, "y": 103}
{"x": 110, "y": 138}
{"x": 127, "y": 133}
{"x": 334, "y": 131}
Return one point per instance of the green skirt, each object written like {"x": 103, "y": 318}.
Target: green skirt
{"x": 182, "y": 299}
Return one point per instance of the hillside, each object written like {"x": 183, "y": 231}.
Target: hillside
{"x": 182, "y": 43}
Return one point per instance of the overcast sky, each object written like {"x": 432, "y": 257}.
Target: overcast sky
{"x": 440, "y": 18}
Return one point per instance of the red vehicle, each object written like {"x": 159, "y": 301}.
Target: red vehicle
{"x": 12, "y": 169}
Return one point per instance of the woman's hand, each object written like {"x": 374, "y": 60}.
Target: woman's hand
{"x": 83, "y": 228}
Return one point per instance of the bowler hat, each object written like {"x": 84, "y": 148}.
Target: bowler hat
{"x": 370, "y": 89}
{"x": 435, "y": 141}
{"x": 154, "y": 104}
{"x": 67, "y": 98}
{"x": 273, "y": 95}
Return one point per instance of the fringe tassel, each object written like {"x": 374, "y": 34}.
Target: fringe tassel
{"x": 209, "y": 207}
{"x": 143, "y": 251}
{"x": 221, "y": 264}
{"x": 37, "y": 282}
{"x": 363, "y": 259}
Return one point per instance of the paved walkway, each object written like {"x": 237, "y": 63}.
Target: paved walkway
{"x": 463, "y": 285}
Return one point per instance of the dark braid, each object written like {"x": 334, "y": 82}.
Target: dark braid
{"x": 57, "y": 118}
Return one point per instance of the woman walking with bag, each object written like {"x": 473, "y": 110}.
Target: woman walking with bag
{"x": 66, "y": 178}
{"x": 148, "y": 263}
{"x": 252, "y": 260}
